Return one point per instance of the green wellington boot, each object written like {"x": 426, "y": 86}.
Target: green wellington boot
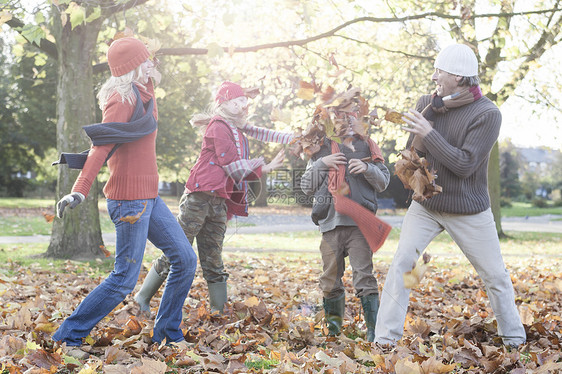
{"x": 334, "y": 309}
{"x": 370, "y": 305}
{"x": 217, "y": 296}
{"x": 150, "y": 286}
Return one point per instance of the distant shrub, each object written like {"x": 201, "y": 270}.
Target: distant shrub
{"x": 521, "y": 199}
{"x": 505, "y": 202}
{"x": 558, "y": 203}
{"x": 540, "y": 203}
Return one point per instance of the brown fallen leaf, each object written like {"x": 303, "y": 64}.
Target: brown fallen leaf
{"x": 413, "y": 278}
{"x": 434, "y": 366}
{"x": 48, "y": 217}
{"x": 406, "y": 365}
{"x": 150, "y": 366}
{"x": 306, "y": 90}
{"x": 394, "y": 117}
{"x": 44, "y": 359}
{"x": 115, "y": 355}
{"x": 133, "y": 219}
{"x": 105, "y": 251}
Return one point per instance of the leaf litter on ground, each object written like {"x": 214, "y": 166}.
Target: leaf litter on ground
{"x": 273, "y": 324}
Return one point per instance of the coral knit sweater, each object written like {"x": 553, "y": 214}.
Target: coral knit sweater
{"x": 133, "y": 173}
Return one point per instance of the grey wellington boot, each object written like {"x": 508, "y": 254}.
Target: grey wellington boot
{"x": 370, "y": 305}
{"x": 150, "y": 286}
{"x": 334, "y": 309}
{"x": 217, "y": 296}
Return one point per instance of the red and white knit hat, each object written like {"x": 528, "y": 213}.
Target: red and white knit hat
{"x": 125, "y": 55}
{"x": 228, "y": 91}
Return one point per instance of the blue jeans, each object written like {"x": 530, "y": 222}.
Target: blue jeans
{"x": 203, "y": 217}
{"x": 157, "y": 224}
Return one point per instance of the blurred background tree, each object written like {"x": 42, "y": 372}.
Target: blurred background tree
{"x": 386, "y": 49}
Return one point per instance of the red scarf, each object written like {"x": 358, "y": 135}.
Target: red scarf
{"x": 373, "y": 228}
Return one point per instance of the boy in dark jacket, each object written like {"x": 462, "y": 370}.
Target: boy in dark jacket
{"x": 340, "y": 235}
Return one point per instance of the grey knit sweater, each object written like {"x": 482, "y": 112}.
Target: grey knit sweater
{"x": 459, "y": 148}
{"x": 366, "y": 185}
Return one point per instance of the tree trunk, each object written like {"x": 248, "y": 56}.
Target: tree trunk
{"x": 261, "y": 198}
{"x": 78, "y": 234}
{"x": 494, "y": 187}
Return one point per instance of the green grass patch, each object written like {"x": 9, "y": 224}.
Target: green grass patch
{"x": 527, "y": 209}
{"x": 31, "y": 255}
{"x": 518, "y": 209}
{"x": 38, "y": 225}
{"x": 26, "y": 203}
{"x": 520, "y": 250}
{"x": 261, "y": 364}
{"x": 517, "y": 248}
{"x": 24, "y": 226}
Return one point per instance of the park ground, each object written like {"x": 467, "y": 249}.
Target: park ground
{"x": 273, "y": 321}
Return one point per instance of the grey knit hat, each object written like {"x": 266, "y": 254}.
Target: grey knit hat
{"x": 457, "y": 59}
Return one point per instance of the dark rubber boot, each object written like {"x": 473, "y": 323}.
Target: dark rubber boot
{"x": 334, "y": 309}
{"x": 150, "y": 286}
{"x": 217, "y": 296}
{"x": 370, "y": 305}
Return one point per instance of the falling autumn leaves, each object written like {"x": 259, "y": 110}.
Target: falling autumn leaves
{"x": 413, "y": 277}
{"x": 335, "y": 117}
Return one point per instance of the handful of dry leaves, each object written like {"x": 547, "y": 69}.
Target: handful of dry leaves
{"x": 337, "y": 117}
{"x": 414, "y": 173}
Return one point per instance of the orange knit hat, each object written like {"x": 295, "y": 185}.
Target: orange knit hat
{"x": 125, "y": 55}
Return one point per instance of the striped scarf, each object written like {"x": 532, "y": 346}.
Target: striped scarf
{"x": 440, "y": 104}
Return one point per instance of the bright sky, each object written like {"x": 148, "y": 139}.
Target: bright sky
{"x": 538, "y": 124}
{"x": 528, "y": 130}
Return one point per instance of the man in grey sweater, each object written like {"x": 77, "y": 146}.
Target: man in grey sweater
{"x": 340, "y": 235}
{"x": 455, "y": 129}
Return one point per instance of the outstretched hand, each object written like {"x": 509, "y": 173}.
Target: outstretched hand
{"x": 72, "y": 200}
{"x": 418, "y": 125}
{"x": 276, "y": 163}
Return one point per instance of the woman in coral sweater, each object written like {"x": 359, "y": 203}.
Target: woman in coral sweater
{"x": 132, "y": 200}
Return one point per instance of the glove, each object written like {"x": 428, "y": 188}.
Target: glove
{"x": 71, "y": 200}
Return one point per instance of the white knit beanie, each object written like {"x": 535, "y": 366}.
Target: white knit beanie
{"x": 457, "y": 59}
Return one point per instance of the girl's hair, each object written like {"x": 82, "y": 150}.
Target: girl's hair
{"x": 123, "y": 85}
{"x": 201, "y": 120}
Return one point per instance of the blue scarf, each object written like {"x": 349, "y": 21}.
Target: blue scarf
{"x": 142, "y": 123}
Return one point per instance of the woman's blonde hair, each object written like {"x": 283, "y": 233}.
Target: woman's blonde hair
{"x": 123, "y": 85}
{"x": 201, "y": 120}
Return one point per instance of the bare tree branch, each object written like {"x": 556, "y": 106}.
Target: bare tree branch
{"x": 50, "y": 49}
{"x": 332, "y": 32}
{"x": 543, "y": 97}
{"x": 111, "y": 8}
{"x": 546, "y": 41}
